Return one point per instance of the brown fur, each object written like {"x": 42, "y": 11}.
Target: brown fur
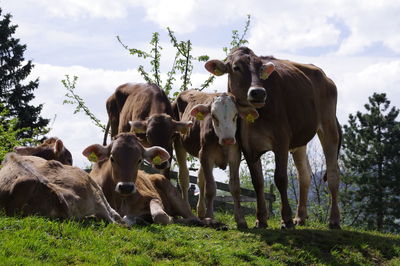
{"x": 201, "y": 141}
{"x": 301, "y": 101}
{"x": 32, "y": 185}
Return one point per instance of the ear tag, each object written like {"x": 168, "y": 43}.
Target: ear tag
{"x": 139, "y": 130}
{"x": 217, "y": 72}
{"x": 157, "y": 160}
{"x": 199, "y": 116}
{"x": 250, "y": 118}
{"x": 264, "y": 75}
{"x": 92, "y": 157}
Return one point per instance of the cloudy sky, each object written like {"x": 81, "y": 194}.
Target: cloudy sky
{"x": 357, "y": 43}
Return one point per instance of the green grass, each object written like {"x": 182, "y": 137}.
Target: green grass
{"x": 34, "y": 240}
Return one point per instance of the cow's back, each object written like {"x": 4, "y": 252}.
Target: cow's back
{"x": 143, "y": 101}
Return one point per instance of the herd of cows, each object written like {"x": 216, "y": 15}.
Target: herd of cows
{"x": 270, "y": 105}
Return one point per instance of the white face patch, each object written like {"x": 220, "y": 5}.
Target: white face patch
{"x": 224, "y": 116}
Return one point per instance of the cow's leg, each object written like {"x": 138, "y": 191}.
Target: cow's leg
{"x": 183, "y": 175}
{"x": 234, "y": 186}
{"x": 158, "y": 214}
{"x": 257, "y": 179}
{"x": 329, "y": 136}
{"x": 201, "y": 202}
{"x": 281, "y": 181}
{"x": 210, "y": 186}
{"x": 303, "y": 175}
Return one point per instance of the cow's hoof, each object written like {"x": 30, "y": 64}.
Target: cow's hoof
{"x": 287, "y": 225}
{"x": 259, "y": 225}
{"x": 242, "y": 225}
{"x": 334, "y": 226}
{"x": 299, "y": 221}
{"x": 132, "y": 220}
{"x": 210, "y": 222}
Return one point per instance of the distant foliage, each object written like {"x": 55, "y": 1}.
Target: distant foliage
{"x": 15, "y": 91}
{"x": 75, "y": 99}
{"x": 9, "y": 134}
{"x": 372, "y": 166}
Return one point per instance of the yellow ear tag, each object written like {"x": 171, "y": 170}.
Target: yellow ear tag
{"x": 157, "y": 160}
{"x": 199, "y": 116}
{"x": 217, "y": 72}
{"x": 250, "y": 118}
{"x": 138, "y": 130}
{"x": 92, "y": 157}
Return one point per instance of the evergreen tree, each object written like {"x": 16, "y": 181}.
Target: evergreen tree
{"x": 15, "y": 92}
{"x": 372, "y": 163}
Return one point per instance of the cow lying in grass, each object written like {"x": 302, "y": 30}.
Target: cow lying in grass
{"x": 212, "y": 140}
{"x": 30, "y": 185}
{"x": 132, "y": 192}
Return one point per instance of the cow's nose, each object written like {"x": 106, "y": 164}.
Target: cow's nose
{"x": 125, "y": 187}
{"x": 228, "y": 141}
{"x": 257, "y": 94}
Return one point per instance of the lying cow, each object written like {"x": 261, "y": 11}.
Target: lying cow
{"x": 30, "y": 185}
{"x": 295, "y": 101}
{"x": 132, "y": 192}
{"x": 145, "y": 110}
{"x": 212, "y": 140}
{"x": 51, "y": 149}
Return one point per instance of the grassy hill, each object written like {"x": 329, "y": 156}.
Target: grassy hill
{"x": 35, "y": 240}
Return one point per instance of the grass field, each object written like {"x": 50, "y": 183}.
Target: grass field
{"x": 34, "y": 240}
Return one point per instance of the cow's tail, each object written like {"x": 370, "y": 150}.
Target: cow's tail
{"x": 339, "y": 128}
{"x": 106, "y": 133}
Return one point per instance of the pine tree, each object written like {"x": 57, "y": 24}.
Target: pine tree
{"x": 15, "y": 92}
{"x": 372, "y": 163}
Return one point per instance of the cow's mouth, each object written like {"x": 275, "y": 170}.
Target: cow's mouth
{"x": 257, "y": 104}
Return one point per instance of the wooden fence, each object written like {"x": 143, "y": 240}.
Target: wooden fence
{"x": 222, "y": 202}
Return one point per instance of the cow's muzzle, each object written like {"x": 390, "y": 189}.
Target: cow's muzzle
{"x": 256, "y": 96}
{"x": 227, "y": 141}
{"x": 125, "y": 188}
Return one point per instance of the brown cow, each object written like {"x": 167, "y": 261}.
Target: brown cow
{"x": 30, "y": 185}
{"x": 51, "y": 149}
{"x": 132, "y": 192}
{"x": 295, "y": 101}
{"x": 145, "y": 110}
{"x": 213, "y": 141}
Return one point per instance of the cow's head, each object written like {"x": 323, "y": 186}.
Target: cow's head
{"x": 224, "y": 113}
{"x": 125, "y": 154}
{"x": 158, "y": 130}
{"x": 246, "y": 75}
{"x": 50, "y": 149}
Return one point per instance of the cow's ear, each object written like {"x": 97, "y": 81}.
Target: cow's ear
{"x": 58, "y": 146}
{"x": 96, "y": 152}
{"x": 22, "y": 150}
{"x": 216, "y": 67}
{"x": 182, "y": 126}
{"x": 248, "y": 113}
{"x": 138, "y": 126}
{"x": 200, "y": 111}
{"x": 266, "y": 70}
{"x": 155, "y": 155}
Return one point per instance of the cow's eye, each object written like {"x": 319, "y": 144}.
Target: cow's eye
{"x": 215, "y": 119}
{"x": 236, "y": 68}
{"x": 112, "y": 159}
{"x": 140, "y": 161}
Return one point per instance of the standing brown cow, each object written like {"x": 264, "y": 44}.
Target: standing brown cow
{"x": 213, "y": 141}
{"x": 295, "y": 101}
{"x": 132, "y": 192}
{"x": 145, "y": 110}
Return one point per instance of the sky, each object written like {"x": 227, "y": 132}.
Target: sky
{"x": 356, "y": 43}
